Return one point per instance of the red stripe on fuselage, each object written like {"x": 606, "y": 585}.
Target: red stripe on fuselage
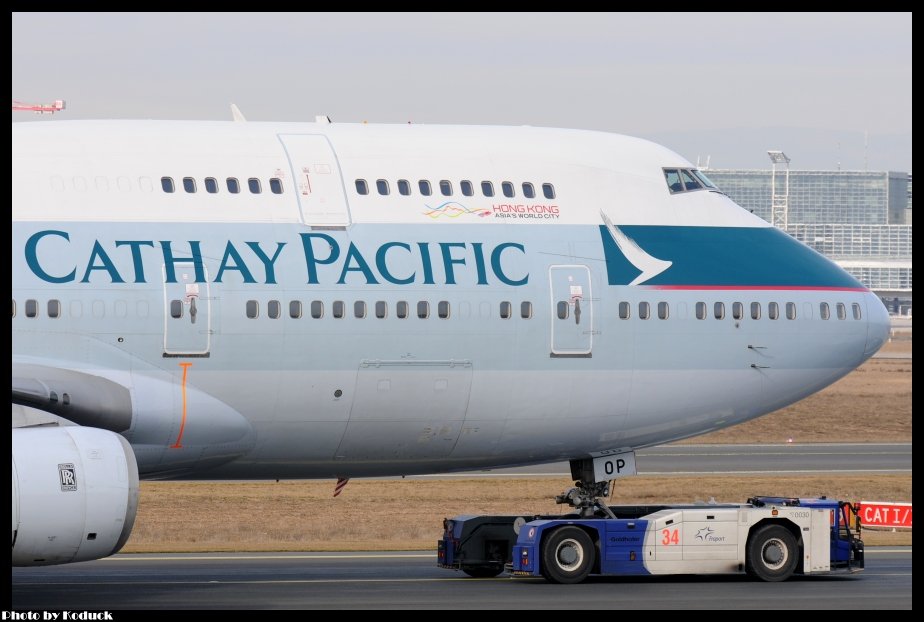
{"x": 800, "y": 288}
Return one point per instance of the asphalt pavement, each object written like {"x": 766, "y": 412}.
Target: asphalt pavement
{"x": 411, "y": 580}
{"x": 786, "y": 458}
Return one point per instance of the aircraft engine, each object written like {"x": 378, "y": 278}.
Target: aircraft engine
{"x": 75, "y": 494}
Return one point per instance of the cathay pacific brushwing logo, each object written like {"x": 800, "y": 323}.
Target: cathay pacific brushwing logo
{"x": 648, "y": 266}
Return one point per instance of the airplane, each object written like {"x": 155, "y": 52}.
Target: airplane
{"x": 241, "y": 300}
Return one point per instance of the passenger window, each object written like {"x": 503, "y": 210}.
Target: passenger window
{"x": 737, "y": 310}
{"x": 718, "y": 310}
{"x": 176, "y": 309}
{"x": 487, "y": 188}
{"x": 31, "y": 307}
{"x": 526, "y": 310}
{"x": 423, "y": 309}
{"x": 841, "y": 311}
{"x": 442, "y": 309}
{"x": 466, "y": 187}
{"x": 700, "y": 310}
{"x": 562, "y": 310}
{"x": 755, "y": 310}
{"x": 234, "y": 187}
{"x": 362, "y": 187}
{"x": 824, "y": 310}
{"x": 211, "y": 185}
{"x": 644, "y": 311}
{"x": 424, "y": 186}
{"x": 506, "y": 310}
{"x": 275, "y": 185}
{"x": 253, "y": 184}
{"x": 381, "y": 186}
{"x": 317, "y": 309}
{"x": 252, "y": 309}
{"x": 625, "y": 310}
{"x": 54, "y": 308}
{"x": 548, "y": 191}
{"x": 359, "y": 309}
{"x": 672, "y": 176}
{"x": 528, "y": 191}
{"x": 14, "y": 308}
{"x": 857, "y": 314}
{"x": 167, "y": 184}
{"x": 339, "y": 309}
{"x": 507, "y": 189}
{"x": 773, "y": 311}
{"x": 381, "y": 309}
{"x": 663, "y": 311}
{"x": 446, "y": 188}
{"x": 401, "y": 309}
{"x": 295, "y": 309}
{"x": 273, "y": 309}
{"x": 790, "y": 310}
{"x": 189, "y": 184}
{"x": 690, "y": 182}
{"x": 404, "y": 188}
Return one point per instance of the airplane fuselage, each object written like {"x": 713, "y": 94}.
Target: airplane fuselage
{"x": 369, "y": 300}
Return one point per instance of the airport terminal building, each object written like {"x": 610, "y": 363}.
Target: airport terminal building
{"x": 860, "y": 219}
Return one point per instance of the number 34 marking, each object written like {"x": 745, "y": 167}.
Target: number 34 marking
{"x": 670, "y": 536}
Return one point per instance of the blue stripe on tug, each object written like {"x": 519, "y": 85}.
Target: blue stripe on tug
{"x": 621, "y": 543}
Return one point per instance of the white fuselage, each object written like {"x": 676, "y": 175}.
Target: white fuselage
{"x": 552, "y": 296}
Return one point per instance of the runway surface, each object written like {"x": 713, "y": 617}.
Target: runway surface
{"x": 742, "y": 459}
{"x": 412, "y": 581}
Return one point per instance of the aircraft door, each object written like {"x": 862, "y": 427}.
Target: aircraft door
{"x": 317, "y": 179}
{"x": 407, "y": 409}
{"x": 572, "y": 311}
{"x": 187, "y": 314}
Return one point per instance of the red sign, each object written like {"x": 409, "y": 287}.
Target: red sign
{"x": 884, "y": 514}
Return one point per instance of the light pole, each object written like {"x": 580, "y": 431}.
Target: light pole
{"x": 779, "y": 203}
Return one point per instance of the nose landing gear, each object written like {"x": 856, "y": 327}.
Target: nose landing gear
{"x": 586, "y": 495}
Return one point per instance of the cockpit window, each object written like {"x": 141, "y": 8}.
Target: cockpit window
{"x": 689, "y": 182}
{"x": 702, "y": 178}
{"x": 672, "y": 176}
{"x": 686, "y": 180}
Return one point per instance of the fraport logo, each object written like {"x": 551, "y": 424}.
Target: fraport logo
{"x": 707, "y": 534}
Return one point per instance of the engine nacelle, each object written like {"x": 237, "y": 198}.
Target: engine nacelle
{"x": 75, "y": 494}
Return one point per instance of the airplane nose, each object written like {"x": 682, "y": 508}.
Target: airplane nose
{"x": 878, "y": 325}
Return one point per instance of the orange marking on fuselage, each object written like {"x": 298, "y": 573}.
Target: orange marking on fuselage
{"x": 179, "y": 437}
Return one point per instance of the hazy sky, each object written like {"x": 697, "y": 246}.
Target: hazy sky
{"x": 725, "y": 85}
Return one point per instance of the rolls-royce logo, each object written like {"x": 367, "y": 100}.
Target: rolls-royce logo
{"x": 68, "y": 476}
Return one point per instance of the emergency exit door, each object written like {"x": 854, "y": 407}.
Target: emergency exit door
{"x": 316, "y": 178}
{"x": 572, "y": 311}
{"x": 187, "y": 314}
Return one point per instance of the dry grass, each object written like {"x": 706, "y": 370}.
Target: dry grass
{"x": 407, "y": 514}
